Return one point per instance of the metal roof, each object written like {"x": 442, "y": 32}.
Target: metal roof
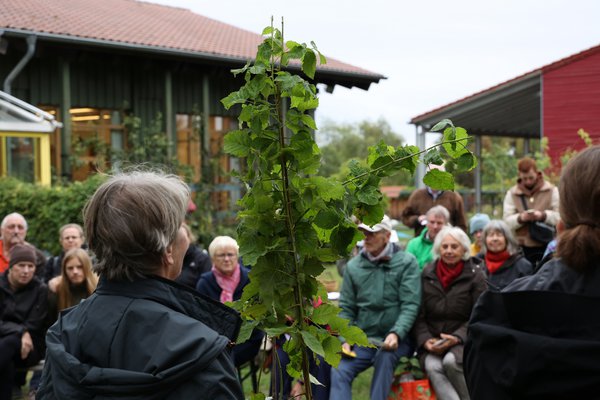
{"x": 19, "y": 116}
{"x": 512, "y": 108}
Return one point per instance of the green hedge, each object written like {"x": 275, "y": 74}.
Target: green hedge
{"x": 46, "y": 209}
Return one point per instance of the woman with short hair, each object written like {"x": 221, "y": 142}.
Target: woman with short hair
{"x": 503, "y": 261}
{"x": 225, "y": 283}
{"x": 451, "y": 284}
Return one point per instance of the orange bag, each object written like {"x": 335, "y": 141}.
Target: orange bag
{"x": 412, "y": 390}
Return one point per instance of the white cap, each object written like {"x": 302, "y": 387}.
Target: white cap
{"x": 385, "y": 224}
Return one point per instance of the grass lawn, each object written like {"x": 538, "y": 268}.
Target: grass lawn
{"x": 360, "y": 387}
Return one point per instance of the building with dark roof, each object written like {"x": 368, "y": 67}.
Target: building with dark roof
{"x": 90, "y": 64}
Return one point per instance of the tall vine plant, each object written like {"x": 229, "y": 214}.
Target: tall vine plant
{"x": 293, "y": 221}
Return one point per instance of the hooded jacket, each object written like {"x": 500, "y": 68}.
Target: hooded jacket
{"x": 537, "y": 339}
{"x": 147, "y": 339}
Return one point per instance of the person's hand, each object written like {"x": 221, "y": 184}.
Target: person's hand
{"x": 54, "y": 282}
{"x": 539, "y": 215}
{"x": 346, "y": 347}
{"x": 297, "y": 390}
{"x": 442, "y": 344}
{"x": 26, "y": 345}
{"x": 526, "y": 216}
{"x": 391, "y": 342}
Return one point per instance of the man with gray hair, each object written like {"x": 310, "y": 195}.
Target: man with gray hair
{"x": 13, "y": 231}
{"x": 437, "y": 217}
{"x": 141, "y": 335}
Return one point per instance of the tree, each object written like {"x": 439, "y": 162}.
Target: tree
{"x": 293, "y": 221}
{"x": 346, "y": 142}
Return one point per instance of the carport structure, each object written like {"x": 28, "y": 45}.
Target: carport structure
{"x": 553, "y": 101}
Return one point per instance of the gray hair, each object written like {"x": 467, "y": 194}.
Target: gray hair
{"x": 15, "y": 214}
{"x": 497, "y": 225}
{"x": 457, "y": 234}
{"x": 67, "y": 226}
{"x": 221, "y": 242}
{"x": 439, "y": 211}
{"x": 131, "y": 220}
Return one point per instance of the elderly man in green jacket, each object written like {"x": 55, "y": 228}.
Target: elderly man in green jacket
{"x": 381, "y": 294}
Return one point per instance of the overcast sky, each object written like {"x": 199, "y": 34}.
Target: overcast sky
{"x": 432, "y": 51}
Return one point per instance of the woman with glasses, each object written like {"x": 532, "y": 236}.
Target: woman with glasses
{"x": 225, "y": 282}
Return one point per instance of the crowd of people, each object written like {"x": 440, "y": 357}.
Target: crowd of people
{"x": 478, "y": 312}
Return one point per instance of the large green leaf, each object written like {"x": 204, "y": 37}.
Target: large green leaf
{"x": 237, "y": 143}
{"x": 324, "y": 313}
{"x": 439, "y": 180}
{"x": 309, "y": 64}
{"x": 312, "y": 342}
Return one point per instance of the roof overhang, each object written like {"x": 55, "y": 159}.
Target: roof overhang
{"x": 511, "y": 109}
{"x": 328, "y": 76}
{"x": 19, "y": 116}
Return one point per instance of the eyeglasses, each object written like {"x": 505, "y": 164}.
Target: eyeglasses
{"x": 226, "y": 255}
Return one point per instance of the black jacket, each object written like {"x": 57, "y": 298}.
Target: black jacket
{"x": 147, "y": 339}
{"x": 537, "y": 339}
{"x": 24, "y": 310}
{"x": 516, "y": 266}
{"x": 195, "y": 263}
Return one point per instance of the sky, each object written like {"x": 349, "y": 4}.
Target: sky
{"x": 432, "y": 52}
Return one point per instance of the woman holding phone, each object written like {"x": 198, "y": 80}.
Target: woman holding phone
{"x": 451, "y": 285}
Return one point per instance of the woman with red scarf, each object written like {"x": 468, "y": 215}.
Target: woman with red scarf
{"x": 503, "y": 261}
{"x": 451, "y": 284}
{"x": 225, "y": 282}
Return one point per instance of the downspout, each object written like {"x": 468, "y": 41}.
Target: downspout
{"x": 31, "y": 40}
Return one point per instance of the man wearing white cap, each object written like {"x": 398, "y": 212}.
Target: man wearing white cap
{"x": 381, "y": 294}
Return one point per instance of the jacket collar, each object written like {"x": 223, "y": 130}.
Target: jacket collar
{"x": 224, "y": 320}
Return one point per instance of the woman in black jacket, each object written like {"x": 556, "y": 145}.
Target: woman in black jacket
{"x": 503, "y": 262}
{"x": 539, "y": 337}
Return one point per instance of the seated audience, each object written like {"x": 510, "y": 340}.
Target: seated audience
{"x": 23, "y": 309}
{"x": 503, "y": 260}
{"x": 437, "y": 217}
{"x": 450, "y": 286}
{"x": 476, "y": 225}
{"x": 539, "y": 337}
{"x": 225, "y": 282}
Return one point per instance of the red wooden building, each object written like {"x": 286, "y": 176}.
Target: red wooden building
{"x": 553, "y": 102}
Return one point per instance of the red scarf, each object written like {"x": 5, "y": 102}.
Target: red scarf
{"x": 227, "y": 283}
{"x": 447, "y": 274}
{"x": 493, "y": 261}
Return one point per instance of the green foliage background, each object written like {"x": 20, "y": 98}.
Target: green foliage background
{"x": 46, "y": 209}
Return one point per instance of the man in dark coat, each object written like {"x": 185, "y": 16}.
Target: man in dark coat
{"x": 141, "y": 335}
{"x": 23, "y": 309}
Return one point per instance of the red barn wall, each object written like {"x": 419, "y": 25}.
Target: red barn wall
{"x": 571, "y": 101}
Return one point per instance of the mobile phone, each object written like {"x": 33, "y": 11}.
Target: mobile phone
{"x": 440, "y": 342}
